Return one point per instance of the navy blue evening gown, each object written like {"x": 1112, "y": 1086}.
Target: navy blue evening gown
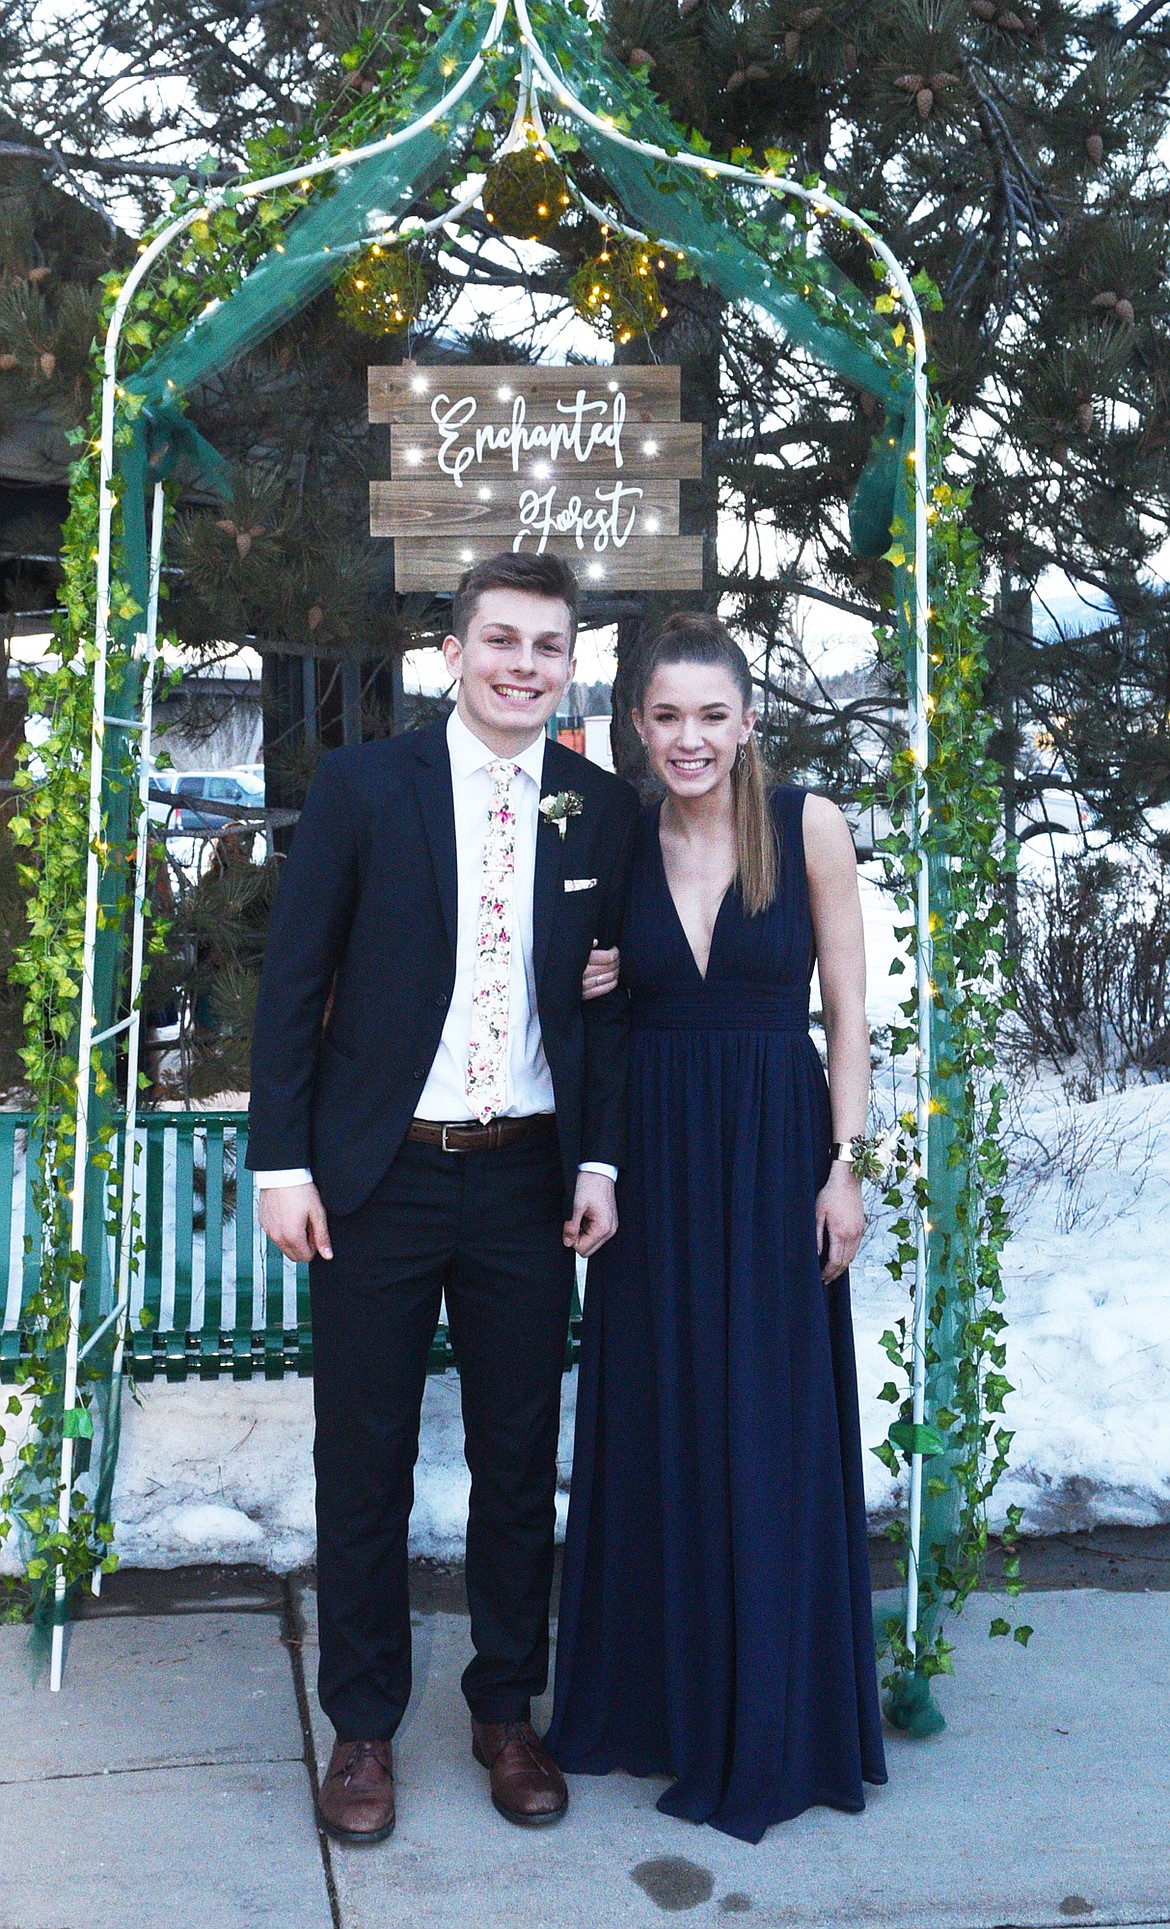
{"x": 715, "y": 1619}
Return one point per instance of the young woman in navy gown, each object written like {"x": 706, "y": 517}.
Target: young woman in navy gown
{"x": 715, "y": 1620}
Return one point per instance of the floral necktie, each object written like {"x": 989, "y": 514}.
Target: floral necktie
{"x": 487, "y": 1048}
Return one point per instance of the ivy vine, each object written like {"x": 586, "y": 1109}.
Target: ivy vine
{"x": 967, "y": 1443}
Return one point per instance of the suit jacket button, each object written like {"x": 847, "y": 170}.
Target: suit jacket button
{"x": 440, "y": 997}
{"x": 420, "y": 1072}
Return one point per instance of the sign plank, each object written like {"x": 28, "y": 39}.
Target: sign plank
{"x": 669, "y": 562}
{"x": 651, "y": 394}
{"x": 672, "y": 451}
{"x": 582, "y": 461}
{"x": 501, "y": 508}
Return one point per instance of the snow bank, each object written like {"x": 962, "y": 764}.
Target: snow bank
{"x": 222, "y": 1471}
{"x": 1087, "y": 1279}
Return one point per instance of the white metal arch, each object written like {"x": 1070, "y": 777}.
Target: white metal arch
{"x": 825, "y": 208}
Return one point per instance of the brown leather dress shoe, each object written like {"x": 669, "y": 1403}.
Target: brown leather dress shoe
{"x": 527, "y": 1785}
{"x": 356, "y": 1803}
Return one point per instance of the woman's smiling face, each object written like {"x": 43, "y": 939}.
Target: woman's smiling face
{"x": 692, "y": 723}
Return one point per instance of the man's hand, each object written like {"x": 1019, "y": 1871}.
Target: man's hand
{"x": 601, "y": 973}
{"x": 594, "y": 1213}
{"x": 840, "y": 1220}
{"x": 294, "y": 1219}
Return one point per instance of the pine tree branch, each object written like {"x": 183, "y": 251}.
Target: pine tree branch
{"x": 798, "y": 586}
{"x": 112, "y": 170}
{"x": 1137, "y": 21}
{"x": 259, "y": 79}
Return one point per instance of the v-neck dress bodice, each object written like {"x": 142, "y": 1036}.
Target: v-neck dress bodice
{"x": 715, "y": 1620}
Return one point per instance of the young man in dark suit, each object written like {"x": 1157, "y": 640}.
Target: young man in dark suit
{"x": 434, "y": 1109}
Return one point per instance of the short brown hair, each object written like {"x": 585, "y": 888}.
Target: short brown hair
{"x": 536, "y": 575}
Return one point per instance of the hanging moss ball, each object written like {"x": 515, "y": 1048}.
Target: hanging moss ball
{"x": 382, "y": 291}
{"x": 618, "y": 292}
{"x": 525, "y": 194}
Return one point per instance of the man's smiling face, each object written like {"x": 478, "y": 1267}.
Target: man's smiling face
{"x": 513, "y": 667}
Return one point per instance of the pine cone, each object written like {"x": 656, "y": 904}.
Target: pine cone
{"x": 8, "y": 360}
{"x": 984, "y": 9}
{"x": 756, "y": 70}
{"x": 1124, "y": 312}
{"x": 244, "y": 538}
{"x": 37, "y": 275}
{"x": 687, "y": 6}
{"x": 1085, "y": 417}
{"x": 849, "y": 55}
{"x": 735, "y": 81}
{"x": 1106, "y": 299}
{"x": 910, "y": 83}
{"x": 809, "y": 16}
{"x": 48, "y": 363}
{"x": 1095, "y": 149}
{"x": 641, "y": 57}
{"x": 791, "y": 44}
{"x": 1013, "y": 21}
{"x": 314, "y": 617}
{"x": 924, "y": 101}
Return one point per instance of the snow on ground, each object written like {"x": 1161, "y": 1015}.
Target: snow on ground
{"x": 222, "y": 1471}
{"x": 1087, "y": 1281}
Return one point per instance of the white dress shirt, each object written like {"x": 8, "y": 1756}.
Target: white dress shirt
{"x": 529, "y": 1085}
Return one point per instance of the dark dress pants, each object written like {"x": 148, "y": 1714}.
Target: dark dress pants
{"x": 486, "y": 1229}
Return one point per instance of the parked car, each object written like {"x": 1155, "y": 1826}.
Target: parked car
{"x": 218, "y": 786}
{"x": 193, "y": 835}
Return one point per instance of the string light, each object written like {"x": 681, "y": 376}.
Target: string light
{"x": 383, "y": 291}
{"x": 617, "y": 292}
{"x": 525, "y": 193}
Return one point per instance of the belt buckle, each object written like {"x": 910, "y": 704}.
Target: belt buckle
{"x": 450, "y": 1148}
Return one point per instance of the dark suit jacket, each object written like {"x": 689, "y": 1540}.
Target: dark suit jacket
{"x": 367, "y": 905}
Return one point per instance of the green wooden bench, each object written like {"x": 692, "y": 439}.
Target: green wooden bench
{"x": 220, "y": 1301}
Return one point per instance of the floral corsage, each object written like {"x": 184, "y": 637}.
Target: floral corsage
{"x": 871, "y": 1158}
{"x": 558, "y": 808}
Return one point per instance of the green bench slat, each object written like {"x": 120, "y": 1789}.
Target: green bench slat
{"x": 259, "y": 1341}
{"x": 209, "y": 1339}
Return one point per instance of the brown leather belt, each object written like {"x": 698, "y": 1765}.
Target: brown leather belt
{"x": 468, "y": 1136}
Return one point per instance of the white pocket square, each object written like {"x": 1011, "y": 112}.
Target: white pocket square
{"x": 580, "y": 883}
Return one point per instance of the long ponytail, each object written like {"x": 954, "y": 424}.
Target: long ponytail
{"x": 757, "y": 855}
{"x": 690, "y": 636}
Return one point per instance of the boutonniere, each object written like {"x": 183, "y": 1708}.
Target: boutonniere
{"x": 560, "y": 807}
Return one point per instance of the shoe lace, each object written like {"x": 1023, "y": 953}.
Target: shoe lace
{"x": 521, "y": 1731}
{"x": 356, "y": 1751}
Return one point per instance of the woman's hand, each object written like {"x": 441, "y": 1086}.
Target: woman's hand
{"x": 601, "y": 973}
{"x": 840, "y": 1220}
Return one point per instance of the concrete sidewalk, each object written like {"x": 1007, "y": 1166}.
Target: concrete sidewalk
{"x": 171, "y": 1780}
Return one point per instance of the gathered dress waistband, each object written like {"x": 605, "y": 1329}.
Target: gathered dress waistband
{"x": 723, "y": 1006}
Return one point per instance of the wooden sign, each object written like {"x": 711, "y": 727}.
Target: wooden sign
{"x": 582, "y": 462}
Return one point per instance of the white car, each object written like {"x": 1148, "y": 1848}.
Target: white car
{"x": 218, "y": 786}
{"x": 190, "y": 831}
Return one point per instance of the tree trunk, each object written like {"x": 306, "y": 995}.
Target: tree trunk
{"x": 1011, "y": 633}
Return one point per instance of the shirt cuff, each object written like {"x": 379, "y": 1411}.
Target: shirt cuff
{"x": 594, "y": 1165}
{"x": 293, "y": 1175}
